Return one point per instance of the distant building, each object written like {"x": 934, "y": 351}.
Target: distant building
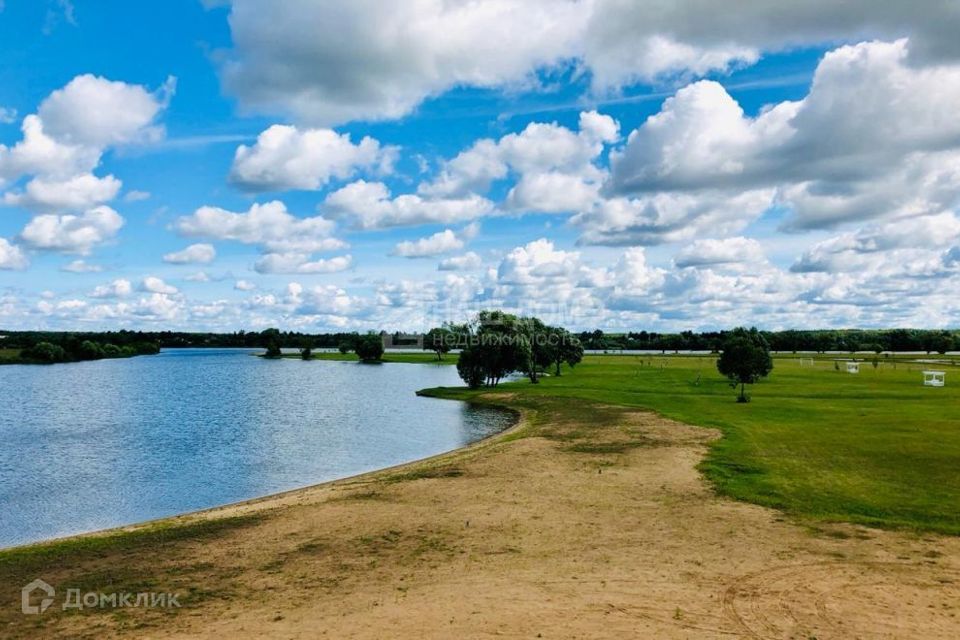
{"x": 401, "y": 340}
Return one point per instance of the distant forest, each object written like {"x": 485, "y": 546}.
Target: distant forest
{"x": 878, "y": 340}
{"x": 124, "y": 342}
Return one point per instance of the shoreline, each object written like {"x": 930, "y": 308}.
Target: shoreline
{"x": 244, "y": 506}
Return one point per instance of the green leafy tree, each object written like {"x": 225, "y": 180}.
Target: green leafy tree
{"x": 273, "y": 350}
{"x": 503, "y": 343}
{"x": 306, "y": 350}
{"x": 940, "y": 342}
{"x": 111, "y": 351}
{"x": 439, "y": 340}
{"x": 539, "y": 351}
{"x": 271, "y": 341}
{"x": 564, "y": 348}
{"x": 90, "y": 350}
{"x": 496, "y": 345}
{"x": 45, "y": 352}
{"x": 369, "y": 348}
{"x": 471, "y": 368}
{"x": 745, "y": 359}
{"x": 146, "y": 348}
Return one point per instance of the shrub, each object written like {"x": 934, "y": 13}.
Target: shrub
{"x": 90, "y": 350}
{"x": 45, "y": 352}
{"x": 111, "y": 351}
{"x": 369, "y": 348}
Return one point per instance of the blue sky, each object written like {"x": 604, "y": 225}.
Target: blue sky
{"x": 325, "y": 165}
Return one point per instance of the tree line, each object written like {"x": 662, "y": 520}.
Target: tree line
{"x": 368, "y": 347}
{"x": 76, "y": 350}
{"x": 928, "y": 340}
{"x": 174, "y": 339}
{"x": 791, "y": 340}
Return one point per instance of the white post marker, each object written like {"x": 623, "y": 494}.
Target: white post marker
{"x": 934, "y": 378}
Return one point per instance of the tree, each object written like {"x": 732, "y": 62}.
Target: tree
{"x": 111, "y": 351}
{"x": 903, "y": 340}
{"x": 273, "y": 350}
{"x": 369, "y": 348}
{"x": 496, "y": 345}
{"x": 537, "y": 336}
{"x": 270, "y": 338}
{"x": 745, "y": 359}
{"x": 45, "y": 352}
{"x": 503, "y": 343}
{"x": 90, "y": 350}
{"x": 306, "y": 350}
{"x": 940, "y": 342}
{"x": 470, "y": 367}
{"x": 346, "y": 346}
{"x": 564, "y": 348}
{"x": 439, "y": 340}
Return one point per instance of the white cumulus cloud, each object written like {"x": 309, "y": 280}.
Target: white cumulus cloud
{"x": 11, "y": 256}
{"x": 876, "y": 137}
{"x": 301, "y": 263}
{"x": 70, "y": 233}
{"x": 285, "y": 157}
{"x": 94, "y": 111}
{"x": 269, "y": 226}
{"x": 370, "y": 206}
{"x": 117, "y": 289}
{"x": 81, "y": 266}
{"x": 466, "y": 262}
{"x": 153, "y": 284}
{"x": 76, "y": 193}
{"x": 727, "y": 251}
{"x": 200, "y": 253}
{"x": 439, "y": 243}
{"x": 327, "y": 63}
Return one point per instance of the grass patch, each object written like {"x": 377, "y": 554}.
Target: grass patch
{"x": 425, "y": 474}
{"x": 22, "y": 561}
{"x": 147, "y": 559}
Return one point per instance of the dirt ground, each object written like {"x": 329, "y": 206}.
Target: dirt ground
{"x": 613, "y": 536}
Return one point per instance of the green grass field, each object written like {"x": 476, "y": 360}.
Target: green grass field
{"x": 876, "y": 448}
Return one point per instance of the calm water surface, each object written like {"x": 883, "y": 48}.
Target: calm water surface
{"x": 99, "y": 444}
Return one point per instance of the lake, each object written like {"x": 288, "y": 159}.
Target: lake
{"x": 99, "y": 444}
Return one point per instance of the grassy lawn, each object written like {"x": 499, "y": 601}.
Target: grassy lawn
{"x": 876, "y": 448}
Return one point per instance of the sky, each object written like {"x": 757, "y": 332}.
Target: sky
{"x": 351, "y": 165}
